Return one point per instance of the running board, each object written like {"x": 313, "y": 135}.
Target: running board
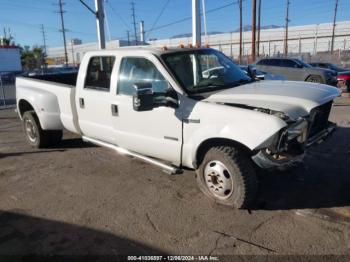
{"x": 166, "y": 168}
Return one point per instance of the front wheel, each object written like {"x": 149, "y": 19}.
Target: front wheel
{"x": 227, "y": 176}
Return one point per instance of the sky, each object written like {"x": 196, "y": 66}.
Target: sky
{"x": 24, "y": 17}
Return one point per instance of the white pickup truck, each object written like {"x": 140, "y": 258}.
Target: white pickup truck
{"x": 180, "y": 108}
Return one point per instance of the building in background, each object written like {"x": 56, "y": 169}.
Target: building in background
{"x": 76, "y": 51}
{"x": 306, "y": 41}
{"x": 10, "y": 59}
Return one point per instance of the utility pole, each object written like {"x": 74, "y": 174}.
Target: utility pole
{"x": 259, "y": 18}
{"x": 100, "y": 24}
{"x": 240, "y": 31}
{"x": 72, "y": 46}
{"x": 142, "y": 32}
{"x": 44, "y": 42}
{"x": 334, "y": 24}
{"x": 315, "y": 41}
{"x": 253, "y": 29}
{"x": 128, "y": 35}
{"x": 44, "y": 37}
{"x": 63, "y": 30}
{"x": 285, "y": 50}
{"x": 205, "y": 24}
{"x": 134, "y": 21}
{"x": 99, "y": 14}
{"x": 196, "y": 23}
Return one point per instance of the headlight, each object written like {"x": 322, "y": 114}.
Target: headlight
{"x": 296, "y": 130}
{"x": 299, "y": 130}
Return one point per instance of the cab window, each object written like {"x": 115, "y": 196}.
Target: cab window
{"x": 139, "y": 70}
{"x": 98, "y": 76}
{"x": 287, "y": 63}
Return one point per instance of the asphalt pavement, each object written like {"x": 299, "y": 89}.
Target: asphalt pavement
{"x": 79, "y": 199}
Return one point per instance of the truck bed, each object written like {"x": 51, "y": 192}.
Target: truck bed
{"x": 66, "y": 78}
{"x": 53, "y": 99}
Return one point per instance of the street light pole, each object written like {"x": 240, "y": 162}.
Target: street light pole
{"x": 100, "y": 24}
{"x": 196, "y": 23}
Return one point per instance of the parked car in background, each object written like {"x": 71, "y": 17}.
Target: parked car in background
{"x": 330, "y": 66}
{"x": 344, "y": 81}
{"x": 343, "y": 74}
{"x": 296, "y": 69}
{"x": 260, "y": 75}
{"x": 53, "y": 71}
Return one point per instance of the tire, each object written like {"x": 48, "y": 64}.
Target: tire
{"x": 315, "y": 79}
{"x": 231, "y": 170}
{"x": 35, "y": 136}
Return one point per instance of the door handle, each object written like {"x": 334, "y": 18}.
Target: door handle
{"x": 115, "y": 111}
{"x": 81, "y": 102}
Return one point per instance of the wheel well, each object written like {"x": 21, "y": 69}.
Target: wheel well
{"x": 24, "y": 106}
{"x": 313, "y": 76}
{"x": 212, "y": 142}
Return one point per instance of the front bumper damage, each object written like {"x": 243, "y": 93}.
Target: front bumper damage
{"x": 266, "y": 161}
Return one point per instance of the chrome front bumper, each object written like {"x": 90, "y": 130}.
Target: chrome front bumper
{"x": 264, "y": 161}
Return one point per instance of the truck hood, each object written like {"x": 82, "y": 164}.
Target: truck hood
{"x": 296, "y": 99}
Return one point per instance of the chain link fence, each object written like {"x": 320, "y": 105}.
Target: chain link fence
{"x": 7, "y": 90}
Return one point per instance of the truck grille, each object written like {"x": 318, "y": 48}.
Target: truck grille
{"x": 320, "y": 120}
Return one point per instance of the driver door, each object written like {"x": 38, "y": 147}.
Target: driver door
{"x": 156, "y": 133}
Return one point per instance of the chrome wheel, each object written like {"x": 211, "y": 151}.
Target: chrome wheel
{"x": 30, "y": 130}
{"x": 218, "y": 179}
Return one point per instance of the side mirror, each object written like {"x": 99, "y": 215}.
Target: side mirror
{"x": 142, "y": 99}
{"x": 251, "y": 71}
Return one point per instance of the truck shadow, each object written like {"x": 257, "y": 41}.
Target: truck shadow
{"x": 3, "y": 155}
{"x": 27, "y": 238}
{"x": 72, "y": 143}
{"x": 323, "y": 180}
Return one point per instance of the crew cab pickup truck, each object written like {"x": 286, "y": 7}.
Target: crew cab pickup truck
{"x": 180, "y": 108}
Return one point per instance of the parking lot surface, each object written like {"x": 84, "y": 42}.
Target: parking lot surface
{"x": 80, "y": 199}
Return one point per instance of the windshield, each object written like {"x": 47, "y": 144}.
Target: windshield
{"x": 303, "y": 63}
{"x": 335, "y": 67}
{"x": 204, "y": 70}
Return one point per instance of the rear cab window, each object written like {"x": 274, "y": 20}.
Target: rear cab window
{"x": 98, "y": 75}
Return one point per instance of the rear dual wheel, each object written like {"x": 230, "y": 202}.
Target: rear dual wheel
{"x": 35, "y": 135}
{"x": 227, "y": 176}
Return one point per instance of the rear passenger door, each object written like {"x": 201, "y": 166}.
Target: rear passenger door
{"x": 93, "y": 99}
{"x": 273, "y": 67}
{"x": 291, "y": 70}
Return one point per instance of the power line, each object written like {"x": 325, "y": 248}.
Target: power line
{"x": 118, "y": 15}
{"x": 158, "y": 17}
{"x": 190, "y": 17}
